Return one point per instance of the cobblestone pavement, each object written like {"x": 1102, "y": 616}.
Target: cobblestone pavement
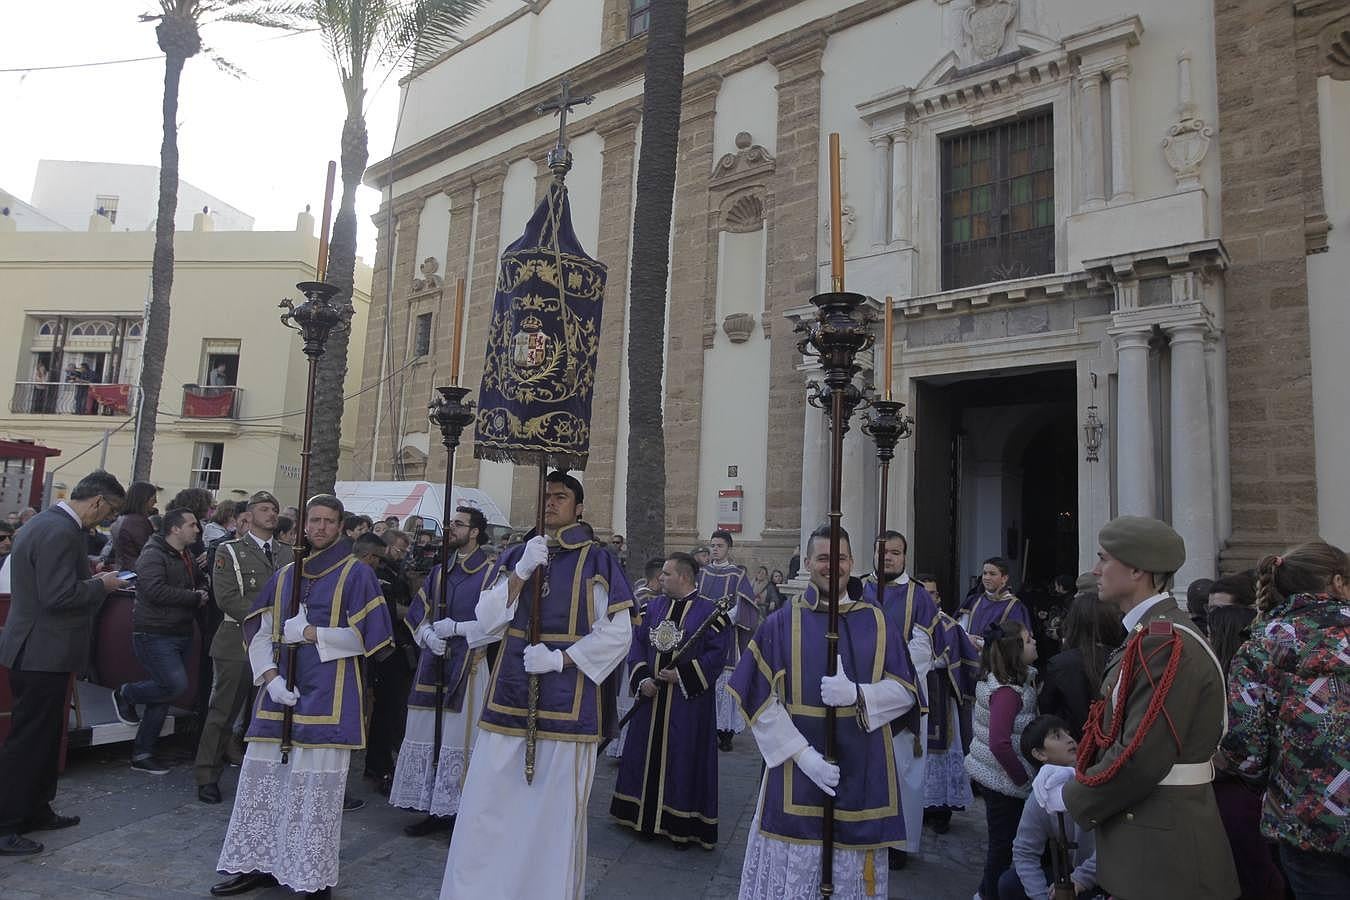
{"x": 143, "y": 836}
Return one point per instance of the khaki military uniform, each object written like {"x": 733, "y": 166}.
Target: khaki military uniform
{"x": 241, "y": 569}
{"x": 1158, "y": 832}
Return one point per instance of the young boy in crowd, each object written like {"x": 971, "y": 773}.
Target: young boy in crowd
{"x": 1046, "y": 740}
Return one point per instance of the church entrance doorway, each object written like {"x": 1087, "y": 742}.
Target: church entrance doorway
{"x": 996, "y": 474}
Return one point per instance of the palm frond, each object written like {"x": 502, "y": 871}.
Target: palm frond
{"x": 421, "y": 28}
{"x": 286, "y": 16}
{"x": 224, "y": 65}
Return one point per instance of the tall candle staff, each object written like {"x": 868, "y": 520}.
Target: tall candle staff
{"x": 452, "y": 413}
{"x": 886, "y": 424}
{"x": 835, "y": 338}
{"x": 315, "y": 319}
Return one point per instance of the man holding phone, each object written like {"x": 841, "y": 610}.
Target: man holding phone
{"x": 168, "y": 594}
{"x": 45, "y": 639}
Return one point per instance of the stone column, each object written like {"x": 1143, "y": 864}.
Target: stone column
{"x": 485, "y": 224}
{"x": 900, "y": 206}
{"x": 457, "y": 251}
{"x": 1122, "y": 175}
{"x": 616, "y": 229}
{"x": 372, "y": 416}
{"x": 881, "y": 177}
{"x": 1136, "y": 473}
{"x": 860, "y": 494}
{"x": 1192, "y": 453}
{"x": 815, "y": 469}
{"x": 401, "y": 408}
{"x": 692, "y": 287}
{"x": 1094, "y": 187}
{"x": 791, "y": 273}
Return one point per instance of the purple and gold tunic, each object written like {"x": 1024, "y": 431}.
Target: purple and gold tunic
{"x": 982, "y": 611}
{"x": 785, "y": 661}
{"x": 908, "y": 605}
{"x": 571, "y": 706}
{"x": 667, "y": 781}
{"x": 718, "y": 580}
{"x": 956, "y": 669}
{"x": 469, "y": 577}
{"x": 338, "y": 591}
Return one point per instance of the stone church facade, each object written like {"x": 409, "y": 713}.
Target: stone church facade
{"x": 1114, "y": 239}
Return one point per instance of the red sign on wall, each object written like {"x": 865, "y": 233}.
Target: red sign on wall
{"x": 729, "y": 504}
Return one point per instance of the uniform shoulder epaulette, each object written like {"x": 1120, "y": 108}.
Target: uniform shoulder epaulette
{"x": 1159, "y": 628}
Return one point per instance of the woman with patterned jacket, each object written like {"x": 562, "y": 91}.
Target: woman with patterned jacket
{"x": 1289, "y": 709}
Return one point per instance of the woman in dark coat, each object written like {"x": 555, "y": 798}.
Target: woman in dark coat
{"x": 1071, "y": 680}
{"x": 132, "y": 529}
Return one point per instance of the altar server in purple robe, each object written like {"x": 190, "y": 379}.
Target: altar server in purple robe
{"x": 528, "y": 840}
{"x": 452, "y": 654}
{"x": 668, "y": 778}
{"x": 994, "y": 605}
{"x": 286, "y": 826}
{"x": 721, "y": 577}
{"x": 951, "y": 697}
{"x": 909, "y": 607}
{"x": 643, "y": 593}
{"x": 782, "y": 690}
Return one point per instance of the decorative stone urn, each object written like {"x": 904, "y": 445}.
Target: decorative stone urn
{"x": 738, "y": 327}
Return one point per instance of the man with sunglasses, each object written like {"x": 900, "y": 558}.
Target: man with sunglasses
{"x": 45, "y": 639}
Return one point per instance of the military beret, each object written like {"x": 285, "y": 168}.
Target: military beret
{"x": 1143, "y": 543}
{"x": 263, "y": 497}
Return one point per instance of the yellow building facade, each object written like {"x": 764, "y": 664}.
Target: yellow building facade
{"x": 231, "y": 409}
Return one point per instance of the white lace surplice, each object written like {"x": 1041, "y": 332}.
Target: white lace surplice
{"x": 438, "y": 790}
{"x": 287, "y": 819}
{"x": 777, "y": 870}
{"x": 728, "y": 716}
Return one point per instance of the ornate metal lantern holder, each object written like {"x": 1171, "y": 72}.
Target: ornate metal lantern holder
{"x": 317, "y": 318}
{"x": 887, "y": 425}
{"x": 838, "y": 334}
{"x": 451, "y": 412}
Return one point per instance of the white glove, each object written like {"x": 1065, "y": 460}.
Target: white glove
{"x": 539, "y": 659}
{"x": 294, "y": 628}
{"x": 436, "y": 644}
{"x": 838, "y": 690}
{"x": 535, "y": 555}
{"x": 280, "y": 694}
{"x": 445, "y": 628}
{"x": 814, "y": 766}
{"x": 1048, "y": 788}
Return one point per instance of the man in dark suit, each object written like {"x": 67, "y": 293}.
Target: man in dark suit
{"x": 45, "y": 639}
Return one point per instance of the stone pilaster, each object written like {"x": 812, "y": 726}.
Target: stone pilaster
{"x": 1136, "y": 469}
{"x": 457, "y": 253}
{"x": 692, "y": 286}
{"x": 791, "y": 276}
{"x": 481, "y": 263}
{"x": 616, "y": 230}
{"x": 1270, "y": 180}
{"x": 397, "y": 388}
{"x": 373, "y": 398}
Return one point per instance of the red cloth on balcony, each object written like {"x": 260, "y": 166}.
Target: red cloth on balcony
{"x": 206, "y": 403}
{"x": 116, "y": 397}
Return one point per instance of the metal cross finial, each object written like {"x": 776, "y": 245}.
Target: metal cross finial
{"x": 559, "y": 158}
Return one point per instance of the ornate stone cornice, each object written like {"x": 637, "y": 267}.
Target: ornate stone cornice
{"x": 623, "y": 64}
{"x": 750, "y": 161}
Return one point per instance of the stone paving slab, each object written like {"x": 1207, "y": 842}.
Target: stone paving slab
{"x": 149, "y": 837}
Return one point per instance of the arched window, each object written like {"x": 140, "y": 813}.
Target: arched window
{"x": 135, "y": 330}
{"x": 47, "y": 328}
{"x": 93, "y": 328}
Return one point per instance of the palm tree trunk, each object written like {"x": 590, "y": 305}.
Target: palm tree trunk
{"x": 161, "y": 275}
{"x": 328, "y": 390}
{"x": 664, "y": 81}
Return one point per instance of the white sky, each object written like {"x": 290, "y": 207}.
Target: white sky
{"x": 261, "y": 142}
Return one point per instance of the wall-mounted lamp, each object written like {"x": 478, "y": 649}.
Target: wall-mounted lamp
{"x": 1093, "y": 429}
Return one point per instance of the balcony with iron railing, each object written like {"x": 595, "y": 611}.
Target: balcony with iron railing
{"x": 202, "y": 401}
{"x": 53, "y": 398}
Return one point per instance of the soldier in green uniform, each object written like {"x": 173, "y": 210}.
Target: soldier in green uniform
{"x": 242, "y": 567}
{"x": 1144, "y": 771}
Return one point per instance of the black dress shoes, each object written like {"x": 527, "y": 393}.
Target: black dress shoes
{"x": 209, "y": 793}
{"x": 242, "y": 884}
{"x": 896, "y": 859}
{"x": 18, "y": 845}
{"x": 352, "y": 804}
{"x": 429, "y": 825}
{"x": 50, "y": 822}
{"x": 324, "y": 894}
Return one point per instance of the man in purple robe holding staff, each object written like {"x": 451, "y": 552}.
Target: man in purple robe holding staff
{"x": 528, "y": 840}
{"x": 286, "y": 826}
{"x": 782, "y": 690}
{"x": 452, "y": 641}
{"x": 668, "y": 778}
{"x": 719, "y": 578}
